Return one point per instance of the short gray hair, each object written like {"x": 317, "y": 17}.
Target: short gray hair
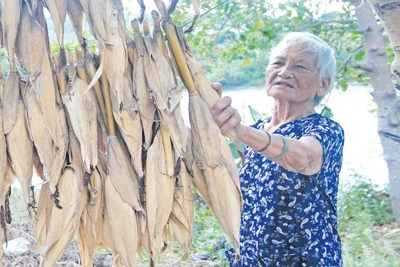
{"x": 310, "y": 43}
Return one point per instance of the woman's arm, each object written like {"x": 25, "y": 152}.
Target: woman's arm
{"x": 304, "y": 155}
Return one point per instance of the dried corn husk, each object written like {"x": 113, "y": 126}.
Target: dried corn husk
{"x": 10, "y": 12}
{"x": 165, "y": 92}
{"x": 123, "y": 221}
{"x": 122, "y": 175}
{"x": 181, "y": 220}
{"x": 58, "y": 12}
{"x": 50, "y": 156}
{"x": 10, "y": 101}
{"x": 210, "y": 149}
{"x": 159, "y": 195}
{"x": 76, "y": 16}
{"x": 107, "y": 241}
{"x": 59, "y": 224}
{"x": 129, "y": 123}
{"x": 213, "y": 159}
{"x": 40, "y": 98}
{"x": 20, "y": 151}
{"x": 91, "y": 223}
{"x": 82, "y": 110}
{"x": 5, "y": 190}
{"x": 145, "y": 103}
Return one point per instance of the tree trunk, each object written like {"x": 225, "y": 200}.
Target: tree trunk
{"x": 384, "y": 92}
{"x": 388, "y": 12}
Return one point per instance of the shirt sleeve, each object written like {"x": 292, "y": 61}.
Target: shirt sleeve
{"x": 331, "y": 137}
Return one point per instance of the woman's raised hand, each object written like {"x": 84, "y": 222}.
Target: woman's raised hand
{"x": 225, "y": 116}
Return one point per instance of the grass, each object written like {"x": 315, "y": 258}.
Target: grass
{"x": 369, "y": 234}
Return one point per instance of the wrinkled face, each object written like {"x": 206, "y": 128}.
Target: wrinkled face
{"x": 292, "y": 76}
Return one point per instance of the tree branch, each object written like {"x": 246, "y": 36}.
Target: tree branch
{"x": 345, "y": 62}
{"x": 364, "y": 65}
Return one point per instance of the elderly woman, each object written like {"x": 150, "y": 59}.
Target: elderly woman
{"x": 289, "y": 178}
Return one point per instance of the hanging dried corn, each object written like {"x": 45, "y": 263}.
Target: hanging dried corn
{"x": 165, "y": 92}
{"x": 145, "y": 102}
{"x": 47, "y": 123}
{"x": 210, "y": 149}
{"x": 82, "y": 110}
{"x": 61, "y": 219}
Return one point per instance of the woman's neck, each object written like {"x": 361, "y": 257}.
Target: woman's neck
{"x": 285, "y": 113}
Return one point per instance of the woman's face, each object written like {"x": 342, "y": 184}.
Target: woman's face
{"x": 292, "y": 76}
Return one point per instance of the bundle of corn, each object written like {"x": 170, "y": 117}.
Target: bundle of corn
{"x": 47, "y": 123}
{"x": 19, "y": 144}
{"x": 122, "y": 177}
{"x": 211, "y": 150}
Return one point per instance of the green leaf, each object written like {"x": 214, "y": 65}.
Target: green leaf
{"x": 234, "y": 149}
{"x": 254, "y": 113}
{"x": 327, "y": 112}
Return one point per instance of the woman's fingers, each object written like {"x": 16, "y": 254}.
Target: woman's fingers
{"x": 225, "y": 116}
{"x": 217, "y": 87}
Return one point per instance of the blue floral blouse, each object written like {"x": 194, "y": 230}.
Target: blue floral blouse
{"x": 289, "y": 219}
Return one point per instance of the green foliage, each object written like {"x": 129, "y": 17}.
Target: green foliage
{"x": 234, "y": 39}
{"x": 366, "y": 225}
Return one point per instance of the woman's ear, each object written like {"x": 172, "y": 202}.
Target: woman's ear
{"x": 325, "y": 82}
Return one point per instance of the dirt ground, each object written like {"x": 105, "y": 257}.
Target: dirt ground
{"x": 71, "y": 257}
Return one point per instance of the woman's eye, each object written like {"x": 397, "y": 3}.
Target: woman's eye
{"x": 300, "y": 67}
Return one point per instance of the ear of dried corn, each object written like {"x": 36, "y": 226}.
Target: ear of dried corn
{"x": 91, "y": 223}
{"x": 165, "y": 92}
{"x": 159, "y": 195}
{"x": 62, "y": 218}
{"x": 123, "y": 220}
{"x": 65, "y": 220}
{"x": 129, "y": 123}
{"x": 82, "y": 110}
{"x": 145, "y": 103}
{"x": 181, "y": 221}
{"x": 20, "y": 151}
{"x": 107, "y": 240}
{"x": 222, "y": 182}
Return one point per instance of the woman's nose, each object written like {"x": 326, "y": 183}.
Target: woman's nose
{"x": 285, "y": 72}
